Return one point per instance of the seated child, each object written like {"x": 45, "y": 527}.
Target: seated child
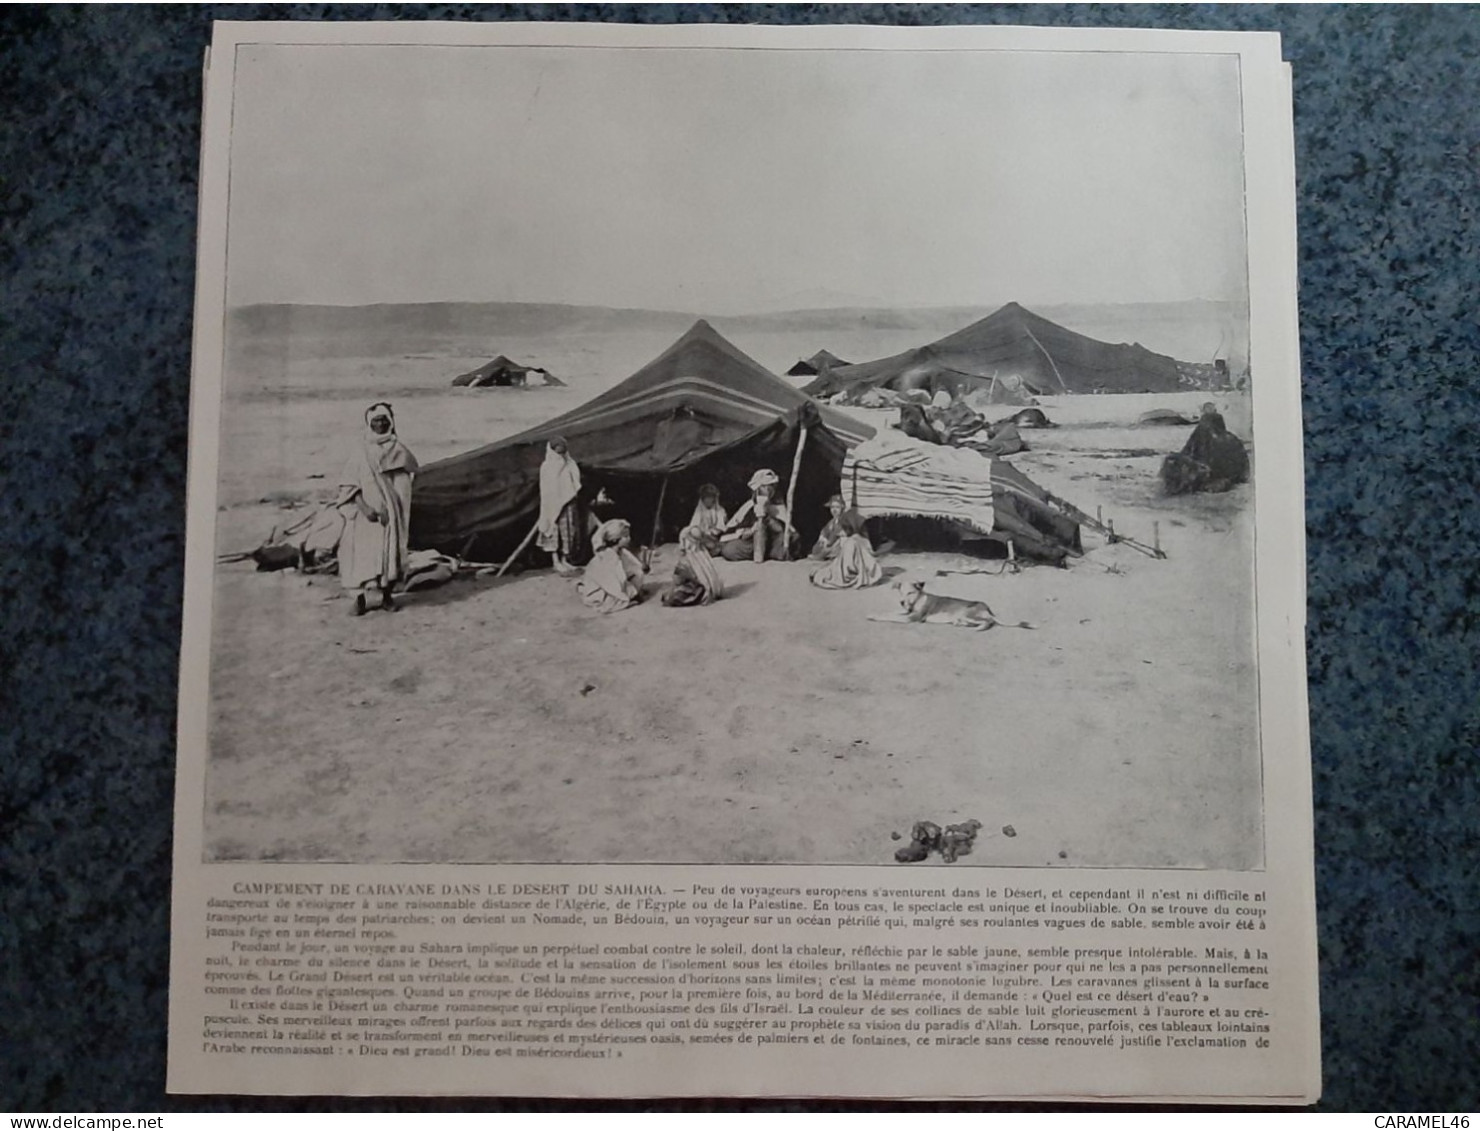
{"x": 854, "y": 565}
{"x": 827, "y": 542}
{"x": 709, "y": 518}
{"x": 613, "y": 579}
{"x": 695, "y": 579}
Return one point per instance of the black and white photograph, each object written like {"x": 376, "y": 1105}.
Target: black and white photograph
{"x": 721, "y": 455}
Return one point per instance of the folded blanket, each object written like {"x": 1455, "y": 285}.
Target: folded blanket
{"x": 887, "y": 479}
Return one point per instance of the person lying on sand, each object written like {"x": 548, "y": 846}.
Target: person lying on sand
{"x": 854, "y": 565}
{"x": 375, "y": 498}
{"x": 695, "y": 579}
{"x": 827, "y": 542}
{"x": 613, "y": 579}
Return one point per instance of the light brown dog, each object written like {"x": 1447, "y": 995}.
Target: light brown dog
{"x": 917, "y": 606}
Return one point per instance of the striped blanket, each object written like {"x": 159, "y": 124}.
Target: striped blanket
{"x": 892, "y": 477}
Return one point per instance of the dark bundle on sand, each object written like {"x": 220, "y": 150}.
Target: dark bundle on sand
{"x": 959, "y": 422}
{"x": 999, "y": 440}
{"x": 309, "y": 544}
{"x": 1163, "y": 416}
{"x": 1213, "y": 459}
{"x": 1028, "y": 418}
{"x": 913, "y": 422}
{"x": 270, "y": 559}
{"x": 927, "y": 837}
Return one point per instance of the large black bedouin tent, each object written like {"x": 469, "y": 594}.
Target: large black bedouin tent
{"x": 1013, "y": 344}
{"x": 701, "y": 412}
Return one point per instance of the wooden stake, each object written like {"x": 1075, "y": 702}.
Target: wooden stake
{"x": 1111, "y": 527}
{"x": 647, "y": 551}
{"x": 791, "y": 488}
{"x": 1099, "y": 518}
{"x": 528, "y": 538}
{"x": 658, "y": 515}
{"x": 1156, "y": 537}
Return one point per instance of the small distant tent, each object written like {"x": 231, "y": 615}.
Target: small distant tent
{"x": 819, "y": 362}
{"x": 701, "y": 412}
{"x": 957, "y": 495}
{"x": 1011, "y": 346}
{"x": 501, "y": 373}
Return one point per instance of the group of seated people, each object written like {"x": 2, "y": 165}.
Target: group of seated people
{"x": 759, "y": 531}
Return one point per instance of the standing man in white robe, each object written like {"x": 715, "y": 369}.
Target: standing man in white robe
{"x": 375, "y": 496}
{"x": 560, "y": 488}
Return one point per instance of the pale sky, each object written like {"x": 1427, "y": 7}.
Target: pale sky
{"x": 723, "y": 181}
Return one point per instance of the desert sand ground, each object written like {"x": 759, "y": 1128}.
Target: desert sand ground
{"x": 503, "y": 721}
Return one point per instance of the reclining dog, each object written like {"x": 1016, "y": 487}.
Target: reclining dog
{"x": 917, "y": 606}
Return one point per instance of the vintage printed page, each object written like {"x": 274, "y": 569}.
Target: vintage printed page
{"x": 745, "y": 561}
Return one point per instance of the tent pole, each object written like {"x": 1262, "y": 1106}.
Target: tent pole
{"x": 791, "y": 487}
{"x": 657, "y": 520}
{"x": 1048, "y": 355}
{"x": 528, "y": 538}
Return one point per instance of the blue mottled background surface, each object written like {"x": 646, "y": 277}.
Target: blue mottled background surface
{"x": 99, "y": 131}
